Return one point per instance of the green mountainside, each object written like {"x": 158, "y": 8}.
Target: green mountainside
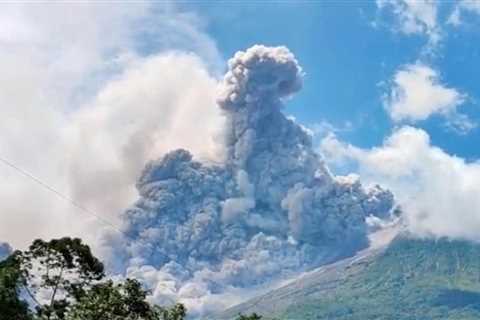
{"x": 411, "y": 279}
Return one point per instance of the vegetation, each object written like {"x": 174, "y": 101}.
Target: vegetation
{"x": 62, "y": 280}
{"x": 253, "y": 316}
{"x": 413, "y": 279}
{"x": 11, "y": 306}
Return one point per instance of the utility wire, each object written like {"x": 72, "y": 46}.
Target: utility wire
{"x": 59, "y": 194}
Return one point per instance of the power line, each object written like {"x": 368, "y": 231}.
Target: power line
{"x": 59, "y": 194}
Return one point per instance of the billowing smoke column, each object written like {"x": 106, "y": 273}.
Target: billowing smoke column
{"x": 200, "y": 231}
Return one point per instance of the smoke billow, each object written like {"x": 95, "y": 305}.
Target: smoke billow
{"x": 201, "y": 231}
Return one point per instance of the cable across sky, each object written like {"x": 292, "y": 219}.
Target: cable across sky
{"x": 59, "y": 194}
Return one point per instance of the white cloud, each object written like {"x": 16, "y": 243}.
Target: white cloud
{"x": 158, "y": 104}
{"x": 323, "y": 128}
{"x": 460, "y": 124}
{"x": 416, "y": 94}
{"x": 83, "y": 110}
{"x": 454, "y": 18}
{"x": 438, "y": 191}
{"x": 414, "y": 17}
{"x": 471, "y": 6}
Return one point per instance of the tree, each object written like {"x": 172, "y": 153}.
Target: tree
{"x": 71, "y": 282}
{"x": 109, "y": 301}
{"x": 62, "y": 270}
{"x": 126, "y": 301}
{"x": 11, "y": 306}
{"x": 176, "y": 312}
{"x": 253, "y": 316}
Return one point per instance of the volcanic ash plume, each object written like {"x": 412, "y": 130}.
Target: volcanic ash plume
{"x": 200, "y": 232}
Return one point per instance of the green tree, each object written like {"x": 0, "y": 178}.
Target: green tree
{"x": 11, "y": 306}
{"x": 253, "y": 316}
{"x": 109, "y": 301}
{"x": 62, "y": 270}
{"x": 176, "y": 312}
{"x": 126, "y": 301}
{"x": 72, "y": 279}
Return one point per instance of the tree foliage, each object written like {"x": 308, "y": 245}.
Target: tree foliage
{"x": 60, "y": 271}
{"x": 126, "y": 301}
{"x": 11, "y": 306}
{"x": 253, "y": 316}
{"x": 177, "y": 312}
{"x": 64, "y": 281}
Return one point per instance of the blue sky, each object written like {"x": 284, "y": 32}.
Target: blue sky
{"x": 350, "y": 52}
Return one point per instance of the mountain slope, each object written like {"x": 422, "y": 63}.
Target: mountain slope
{"x": 411, "y": 279}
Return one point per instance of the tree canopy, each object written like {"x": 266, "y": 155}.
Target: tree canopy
{"x": 253, "y": 316}
{"x": 11, "y": 306}
{"x": 62, "y": 280}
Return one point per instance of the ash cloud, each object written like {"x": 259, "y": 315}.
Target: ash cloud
{"x": 201, "y": 232}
